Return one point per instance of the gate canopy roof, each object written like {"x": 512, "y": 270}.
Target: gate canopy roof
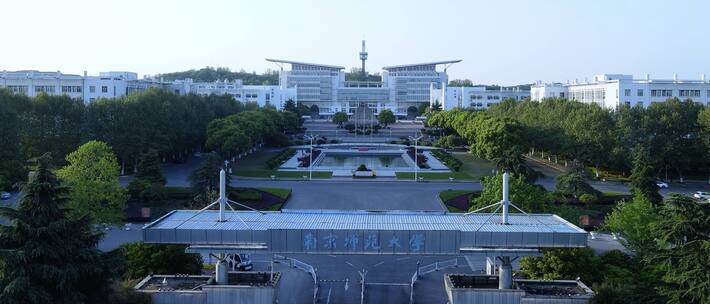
{"x": 335, "y": 231}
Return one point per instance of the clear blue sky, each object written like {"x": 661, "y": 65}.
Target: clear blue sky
{"x": 503, "y": 42}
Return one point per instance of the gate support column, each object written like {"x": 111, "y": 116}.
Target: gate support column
{"x": 505, "y": 273}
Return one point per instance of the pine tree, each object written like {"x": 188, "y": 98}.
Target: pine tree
{"x": 643, "y": 180}
{"x": 45, "y": 256}
{"x": 149, "y": 168}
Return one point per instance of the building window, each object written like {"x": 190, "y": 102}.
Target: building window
{"x": 92, "y": 89}
{"x": 627, "y": 92}
{"x": 104, "y": 89}
{"x": 639, "y": 92}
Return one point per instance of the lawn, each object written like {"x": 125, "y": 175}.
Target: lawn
{"x": 458, "y": 200}
{"x": 449, "y": 194}
{"x": 267, "y": 199}
{"x": 254, "y": 165}
{"x": 256, "y": 160}
{"x": 473, "y": 166}
{"x": 434, "y": 176}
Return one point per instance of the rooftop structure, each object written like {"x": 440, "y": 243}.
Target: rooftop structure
{"x": 246, "y": 287}
{"x": 466, "y": 288}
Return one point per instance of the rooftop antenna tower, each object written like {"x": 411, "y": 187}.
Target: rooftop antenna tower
{"x": 363, "y": 57}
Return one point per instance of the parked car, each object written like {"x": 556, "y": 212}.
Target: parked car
{"x": 701, "y": 195}
{"x": 5, "y": 195}
{"x": 242, "y": 261}
{"x": 662, "y": 184}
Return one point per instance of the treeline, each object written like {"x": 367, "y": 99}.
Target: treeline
{"x": 674, "y": 133}
{"x": 170, "y": 124}
{"x": 210, "y": 74}
{"x": 236, "y": 133}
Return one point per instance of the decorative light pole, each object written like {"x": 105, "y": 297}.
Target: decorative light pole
{"x": 416, "y": 163}
{"x": 310, "y": 162}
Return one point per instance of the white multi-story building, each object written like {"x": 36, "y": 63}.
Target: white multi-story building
{"x": 476, "y": 97}
{"x": 401, "y": 87}
{"x": 86, "y": 88}
{"x": 32, "y": 83}
{"x": 263, "y": 95}
{"x": 612, "y": 90}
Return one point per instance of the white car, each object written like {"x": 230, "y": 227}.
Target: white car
{"x": 701, "y": 195}
{"x": 5, "y": 195}
{"x": 662, "y": 184}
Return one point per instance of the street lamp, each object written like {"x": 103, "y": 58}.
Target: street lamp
{"x": 310, "y": 162}
{"x": 416, "y": 164}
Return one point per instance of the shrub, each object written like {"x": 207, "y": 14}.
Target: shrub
{"x": 350, "y": 127}
{"x": 245, "y": 194}
{"x": 452, "y": 162}
{"x": 320, "y": 141}
{"x": 299, "y": 142}
{"x": 333, "y": 141}
{"x": 280, "y": 158}
{"x": 145, "y": 190}
{"x": 587, "y": 198}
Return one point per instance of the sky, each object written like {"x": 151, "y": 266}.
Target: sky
{"x": 500, "y": 42}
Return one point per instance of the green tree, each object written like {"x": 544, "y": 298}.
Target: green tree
{"x": 643, "y": 179}
{"x": 205, "y": 179}
{"x": 683, "y": 249}
{"x": 340, "y": 118}
{"x": 12, "y": 107}
{"x": 92, "y": 173}
{"x": 386, "y": 117}
{"x": 150, "y": 169}
{"x": 564, "y": 264}
{"x": 46, "y": 256}
{"x": 144, "y": 259}
{"x": 493, "y": 136}
{"x": 461, "y": 83}
{"x": 529, "y": 197}
{"x": 149, "y": 182}
{"x": 52, "y": 124}
{"x": 633, "y": 220}
{"x": 315, "y": 111}
{"x": 513, "y": 161}
{"x": 290, "y": 106}
{"x": 412, "y": 112}
{"x": 572, "y": 184}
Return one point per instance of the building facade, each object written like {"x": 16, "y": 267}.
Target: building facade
{"x": 263, "y": 95}
{"x": 401, "y": 87}
{"x": 613, "y": 90}
{"x": 86, "y": 88}
{"x": 476, "y": 97}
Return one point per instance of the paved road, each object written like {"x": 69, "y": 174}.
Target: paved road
{"x": 386, "y": 281}
{"x": 361, "y": 195}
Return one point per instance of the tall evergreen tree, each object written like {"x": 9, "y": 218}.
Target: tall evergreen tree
{"x": 683, "y": 249}
{"x": 45, "y": 256}
{"x": 643, "y": 180}
{"x": 149, "y": 168}
{"x": 205, "y": 179}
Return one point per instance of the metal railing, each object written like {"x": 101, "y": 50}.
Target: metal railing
{"x": 438, "y": 266}
{"x": 423, "y": 270}
{"x": 294, "y": 263}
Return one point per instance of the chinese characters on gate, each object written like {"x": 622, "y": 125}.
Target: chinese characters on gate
{"x": 370, "y": 242}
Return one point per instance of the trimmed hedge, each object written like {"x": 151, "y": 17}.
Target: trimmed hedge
{"x": 452, "y": 162}
{"x": 280, "y": 158}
